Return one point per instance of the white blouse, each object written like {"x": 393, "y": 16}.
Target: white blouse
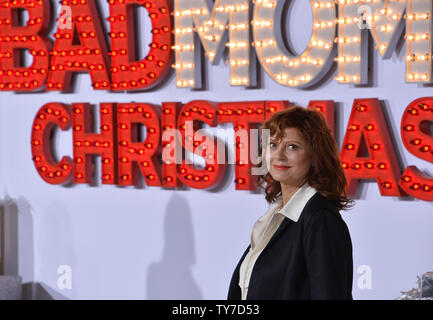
{"x": 266, "y": 226}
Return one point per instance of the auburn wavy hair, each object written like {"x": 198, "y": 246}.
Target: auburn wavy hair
{"x": 326, "y": 174}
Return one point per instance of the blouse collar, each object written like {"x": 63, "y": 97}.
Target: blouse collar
{"x": 296, "y": 204}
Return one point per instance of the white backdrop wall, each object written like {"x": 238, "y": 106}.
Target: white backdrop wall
{"x": 153, "y": 243}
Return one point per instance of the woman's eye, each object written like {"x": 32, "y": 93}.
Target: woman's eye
{"x": 292, "y": 146}
{"x": 272, "y": 144}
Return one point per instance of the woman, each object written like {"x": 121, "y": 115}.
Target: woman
{"x": 301, "y": 247}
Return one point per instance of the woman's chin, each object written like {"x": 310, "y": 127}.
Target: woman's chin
{"x": 284, "y": 180}
{"x": 281, "y": 178}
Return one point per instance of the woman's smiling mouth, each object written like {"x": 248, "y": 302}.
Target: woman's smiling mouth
{"x": 279, "y": 167}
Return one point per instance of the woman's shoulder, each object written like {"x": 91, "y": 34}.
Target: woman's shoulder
{"x": 319, "y": 204}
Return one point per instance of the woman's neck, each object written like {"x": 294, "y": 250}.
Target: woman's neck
{"x": 288, "y": 191}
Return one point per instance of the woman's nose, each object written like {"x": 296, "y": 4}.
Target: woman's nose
{"x": 280, "y": 153}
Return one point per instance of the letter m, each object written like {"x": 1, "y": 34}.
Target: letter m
{"x": 385, "y": 21}
{"x": 192, "y": 18}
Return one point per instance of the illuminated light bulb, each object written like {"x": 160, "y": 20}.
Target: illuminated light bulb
{"x": 382, "y": 166}
{"x": 385, "y": 28}
{"x": 426, "y": 188}
{"x": 369, "y": 127}
{"x": 356, "y": 166}
{"x": 387, "y": 185}
{"x": 375, "y": 146}
{"x": 415, "y": 186}
{"x": 240, "y": 181}
{"x": 240, "y": 62}
{"x": 237, "y": 44}
{"x": 406, "y": 178}
{"x": 50, "y": 174}
{"x": 106, "y": 177}
{"x": 411, "y": 57}
{"x": 265, "y": 23}
{"x": 350, "y": 146}
{"x": 241, "y": 26}
{"x": 306, "y": 78}
{"x": 369, "y": 165}
{"x": 413, "y": 112}
{"x": 416, "y": 141}
{"x": 425, "y": 148}
{"x": 354, "y": 127}
{"x": 422, "y": 36}
{"x": 282, "y": 76}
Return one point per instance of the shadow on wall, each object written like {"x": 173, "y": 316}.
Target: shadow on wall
{"x": 57, "y": 262}
{"x": 9, "y": 235}
{"x": 17, "y": 248}
{"x": 171, "y": 277}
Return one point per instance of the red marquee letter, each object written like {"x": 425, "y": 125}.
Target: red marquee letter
{"x": 213, "y": 172}
{"x": 150, "y": 71}
{"x": 366, "y": 120}
{"x": 89, "y": 55}
{"x": 133, "y": 154}
{"x": 87, "y": 144}
{"x": 13, "y": 76}
{"x": 418, "y": 141}
{"x": 243, "y": 115}
{"x": 49, "y": 116}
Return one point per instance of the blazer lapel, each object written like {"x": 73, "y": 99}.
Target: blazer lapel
{"x": 284, "y": 224}
{"x": 287, "y": 221}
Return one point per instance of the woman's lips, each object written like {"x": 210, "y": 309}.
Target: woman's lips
{"x": 281, "y": 167}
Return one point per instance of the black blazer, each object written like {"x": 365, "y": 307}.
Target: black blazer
{"x": 307, "y": 259}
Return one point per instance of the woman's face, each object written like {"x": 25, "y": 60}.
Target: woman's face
{"x": 289, "y": 159}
